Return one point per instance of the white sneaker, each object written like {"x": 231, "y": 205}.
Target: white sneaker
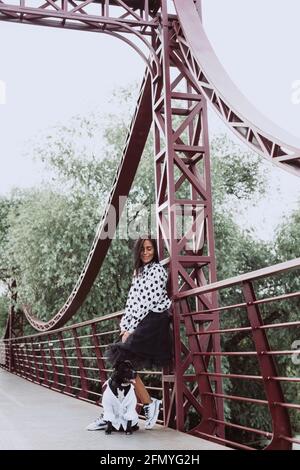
{"x": 98, "y": 425}
{"x": 151, "y": 412}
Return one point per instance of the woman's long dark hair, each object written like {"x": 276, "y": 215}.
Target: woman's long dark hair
{"x": 138, "y": 264}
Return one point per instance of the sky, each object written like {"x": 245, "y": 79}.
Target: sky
{"x": 48, "y": 75}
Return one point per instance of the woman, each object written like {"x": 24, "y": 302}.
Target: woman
{"x": 145, "y": 331}
{"x": 145, "y": 325}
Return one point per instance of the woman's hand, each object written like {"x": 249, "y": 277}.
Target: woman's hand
{"x": 125, "y": 336}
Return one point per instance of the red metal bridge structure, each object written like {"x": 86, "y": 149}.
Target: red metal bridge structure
{"x": 182, "y": 75}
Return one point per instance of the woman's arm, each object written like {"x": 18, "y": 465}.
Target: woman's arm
{"x": 125, "y": 336}
{"x": 127, "y": 316}
{"x": 148, "y": 293}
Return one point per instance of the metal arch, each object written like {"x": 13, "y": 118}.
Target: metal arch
{"x": 189, "y": 17}
{"x": 101, "y": 24}
{"x": 136, "y": 140}
{"x": 249, "y": 124}
{"x": 153, "y": 56}
{"x": 128, "y": 29}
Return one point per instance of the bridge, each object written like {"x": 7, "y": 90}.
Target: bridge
{"x": 37, "y": 418}
{"x": 182, "y": 76}
{"x": 71, "y": 360}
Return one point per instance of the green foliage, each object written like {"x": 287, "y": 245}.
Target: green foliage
{"x": 4, "y": 306}
{"x": 288, "y": 237}
{"x": 236, "y": 175}
{"x": 237, "y": 252}
{"x": 5, "y": 207}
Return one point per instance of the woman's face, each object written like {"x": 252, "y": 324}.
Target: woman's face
{"x": 147, "y": 252}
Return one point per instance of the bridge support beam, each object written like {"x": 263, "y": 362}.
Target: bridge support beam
{"x": 184, "y": 223}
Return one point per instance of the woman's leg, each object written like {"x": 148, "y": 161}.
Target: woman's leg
{"x": 150, "y": 405}
{"x": 141, "y": 391}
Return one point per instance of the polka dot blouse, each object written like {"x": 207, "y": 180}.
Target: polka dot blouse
{"x": 147, "y": 293}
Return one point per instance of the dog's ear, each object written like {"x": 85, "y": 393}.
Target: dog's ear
{"x": 128, "y": 363}
{"x": 117, "y": 364}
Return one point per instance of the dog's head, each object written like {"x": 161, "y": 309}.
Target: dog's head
{"x": 124, "y": 372}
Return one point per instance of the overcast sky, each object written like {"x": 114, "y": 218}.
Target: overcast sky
{"x": 51, "y": 74}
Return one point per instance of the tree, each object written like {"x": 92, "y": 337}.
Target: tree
{"x": 5, "y": 207}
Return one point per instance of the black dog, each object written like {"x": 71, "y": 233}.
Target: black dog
{"x": 119, "y": 399}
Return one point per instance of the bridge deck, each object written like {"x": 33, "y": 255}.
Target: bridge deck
{"x": 33, "y": 417}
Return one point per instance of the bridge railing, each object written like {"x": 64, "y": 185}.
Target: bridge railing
{"x": 71, "y": 360}
{"x": 260, "y": 336}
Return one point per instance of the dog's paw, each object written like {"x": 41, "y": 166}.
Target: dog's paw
{"x": 128, "y": 432}
{"x": 108, "y": 431}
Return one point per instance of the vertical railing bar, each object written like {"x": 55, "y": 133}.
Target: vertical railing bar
{"x": 100, "y": 361}
{"x": 30, "y": 371}
{"x": 65, "y": 363}
{"x": 45, "y": 370}
{"x": 38, "y": 377}
{"x": 146, "y": 9}
{"x": 53, "y": 362}
{"x": 82, "y": 371}
{"x": 106, "y": 8}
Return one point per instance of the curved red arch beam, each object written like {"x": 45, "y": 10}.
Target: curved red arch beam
{"x": 257, "y": 131}
{"x": 132, "y": 153}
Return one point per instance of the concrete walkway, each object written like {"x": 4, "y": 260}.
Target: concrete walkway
{"x": 35, "y": 418}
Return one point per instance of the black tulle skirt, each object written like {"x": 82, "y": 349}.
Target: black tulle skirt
{"x": 150, "y": 345}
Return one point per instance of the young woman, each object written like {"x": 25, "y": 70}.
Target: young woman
{"x": 145, "y": 325}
